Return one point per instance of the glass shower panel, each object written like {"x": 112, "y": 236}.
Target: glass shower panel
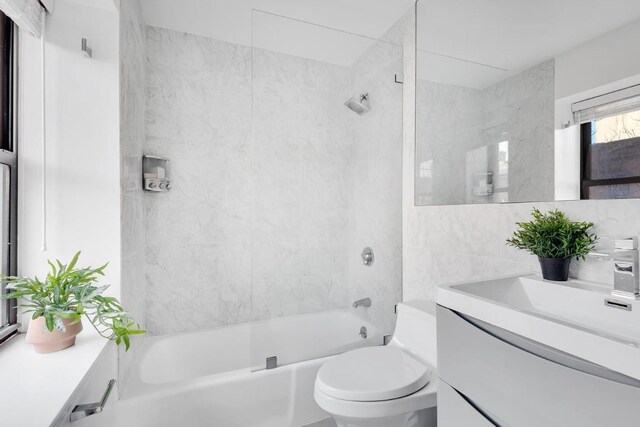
{"x": 326, "y": 177}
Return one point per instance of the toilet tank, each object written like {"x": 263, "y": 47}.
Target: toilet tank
{"x": 416, "y": 330}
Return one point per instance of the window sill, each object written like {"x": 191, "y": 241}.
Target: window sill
{"x": 35, "y": 387}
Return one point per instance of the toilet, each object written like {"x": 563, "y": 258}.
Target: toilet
{"x": 386, "y": 386}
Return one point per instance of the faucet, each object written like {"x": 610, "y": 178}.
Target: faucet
{"x": 625, "y": 268}
{"x": 364, "y": 302}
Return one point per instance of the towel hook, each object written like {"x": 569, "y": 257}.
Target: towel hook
{"x": 86, "y": 49}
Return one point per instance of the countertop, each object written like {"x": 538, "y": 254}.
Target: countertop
{"x": 35, "y": 387}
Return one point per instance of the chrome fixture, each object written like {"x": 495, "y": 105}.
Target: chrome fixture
{"x": 359, "y": 106}
{"x": 86, "y": 410}
{"x": 364, "y": 302}
{"x": 272, "y": 362}
{"x": 363, "y": 332}
{"x": 625, "y": 268}
{"x": 618, "y": 304}
{"x": 155, "y": 173}
{"x": 85, "y": 49}
{"x": 367, "y": 256}
{"x": 625, "y": 258}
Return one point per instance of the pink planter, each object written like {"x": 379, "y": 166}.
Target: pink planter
{"x": 45, "y": 341}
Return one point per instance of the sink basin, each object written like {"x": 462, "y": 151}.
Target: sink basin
{"x": 578, "y": 317}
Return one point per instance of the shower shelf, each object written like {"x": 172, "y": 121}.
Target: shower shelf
{"x": 155, "y": 173}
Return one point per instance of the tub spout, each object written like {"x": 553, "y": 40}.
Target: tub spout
{"x": 364, "y": 302}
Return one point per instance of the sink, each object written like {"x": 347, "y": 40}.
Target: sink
{"x": 577, "y": 317}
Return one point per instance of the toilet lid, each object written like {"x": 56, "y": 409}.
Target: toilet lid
{"x": 372, "y": 373}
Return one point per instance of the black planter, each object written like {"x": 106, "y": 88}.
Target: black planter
{"x": 556, "y": 269}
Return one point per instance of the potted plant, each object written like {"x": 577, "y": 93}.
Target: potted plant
{"x": 60, "y": 300}
{"x": 555, "y": 239}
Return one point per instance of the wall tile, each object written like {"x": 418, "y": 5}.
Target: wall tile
{"x": 276, "y": 186}
{"x": 132, "y": 135}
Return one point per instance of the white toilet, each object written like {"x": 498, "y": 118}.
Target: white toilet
{"x": 386, "y": 386}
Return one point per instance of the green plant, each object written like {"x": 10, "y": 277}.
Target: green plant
{"x": 553, "y": 235}
{"x": 69, "y": 293}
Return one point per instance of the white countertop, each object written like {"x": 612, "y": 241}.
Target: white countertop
{"x": 34, "y": 387}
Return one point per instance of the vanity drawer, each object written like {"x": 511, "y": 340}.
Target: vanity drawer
{"x": 455, "y": 411}
{"x": 538, "y": 386}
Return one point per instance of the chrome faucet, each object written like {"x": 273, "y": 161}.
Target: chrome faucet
{"x": 625, "y": 268}
{"x": 364, "y": 302}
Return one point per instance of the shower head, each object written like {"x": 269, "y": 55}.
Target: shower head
{"x": 360, "y": 106}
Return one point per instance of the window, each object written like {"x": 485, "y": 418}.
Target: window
{"x": 8, "y": 171}
{"x": 611, "y": 157}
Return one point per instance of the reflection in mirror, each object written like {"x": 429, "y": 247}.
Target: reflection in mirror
{"x": 527, "y": 102}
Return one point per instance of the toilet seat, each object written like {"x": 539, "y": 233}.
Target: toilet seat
{"x": 372, "y": 374}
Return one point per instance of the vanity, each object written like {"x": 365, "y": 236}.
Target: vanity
{"x": 523, "y": 351}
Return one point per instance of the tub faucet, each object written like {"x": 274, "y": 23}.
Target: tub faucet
{"x": 625, "y": 268}
{"x": 364, "y": 302}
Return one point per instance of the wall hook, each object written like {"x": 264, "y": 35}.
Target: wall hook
{"x": 86, "y": 49}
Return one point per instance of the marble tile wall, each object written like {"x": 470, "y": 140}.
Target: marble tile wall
{"x": 448, "y": 118}
{"x": 199, "y": 253}
{"x": 198, "y": 235}
{"x": 132, "y": 137}
{"x": 456, "y": 124}
{"x": 376, "y": 212}
{"x": 524, "y": 106}
{"x": 273, "y": 197}
{"x": 302, "y": 167}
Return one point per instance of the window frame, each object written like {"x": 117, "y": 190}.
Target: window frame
{"x": 586, "y": 130}
{"x": 10, "y": 158}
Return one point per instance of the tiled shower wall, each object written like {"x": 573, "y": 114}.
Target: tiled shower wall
{"x": 198, "y": 235}
{"x": 376, "y": 210}
{"x": 182, "y": 289}
{"x": 273, "y": 227}
{"x": 302, "y": 156}
{"x": 132, "y": 136}
{"x": 456, "y": 123}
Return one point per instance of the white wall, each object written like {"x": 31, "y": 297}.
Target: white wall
{"x": 596, "y": 63}
{"x": 83, "y": 132}
{"x": 596, "y": 68}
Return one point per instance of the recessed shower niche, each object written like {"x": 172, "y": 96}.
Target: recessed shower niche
{"x": 155, "y": 172}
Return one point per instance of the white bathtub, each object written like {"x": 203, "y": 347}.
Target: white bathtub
{"x": 209, "y": 378}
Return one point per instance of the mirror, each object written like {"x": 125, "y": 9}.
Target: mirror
{"x": 527, "y": 101}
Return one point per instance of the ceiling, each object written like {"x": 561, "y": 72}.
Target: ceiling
{"x": 343, "y": 28}
{"x": 508, "y": 36}
{"x": 473, "y": 43}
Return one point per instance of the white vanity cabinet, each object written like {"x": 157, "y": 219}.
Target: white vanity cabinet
{"x": 91, "y": 390}
{"x": 493, "y": 377}
{"x": 455, "y": 411}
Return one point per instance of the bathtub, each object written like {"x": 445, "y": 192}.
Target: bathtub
{"x": 217, "y": 377}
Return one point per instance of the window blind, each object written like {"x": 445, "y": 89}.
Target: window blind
{"x": 27, "y": 14}
{"x": 610, "y": 104}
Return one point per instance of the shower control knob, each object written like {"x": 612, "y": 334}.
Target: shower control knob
{"x": 162, "y": 186}
{"x": 367, "y": 256}
{"x": 152, "y": 185}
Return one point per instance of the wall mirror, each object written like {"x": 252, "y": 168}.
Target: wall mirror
{"x": 527, "y": 101}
